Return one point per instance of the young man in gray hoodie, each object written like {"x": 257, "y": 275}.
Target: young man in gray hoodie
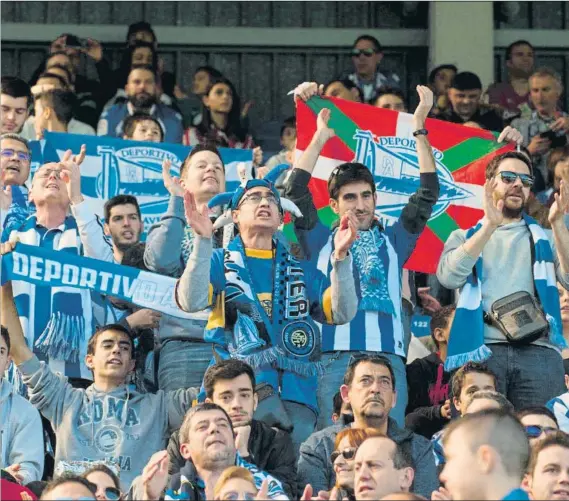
{"x": 109, "y": 420}
{"x": 22, "y": 451}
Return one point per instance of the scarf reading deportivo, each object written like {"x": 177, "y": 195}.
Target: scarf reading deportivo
{"x": 466, "y": 342}
{"x": 69, "y": 309}
{"x": 289, "y": 339}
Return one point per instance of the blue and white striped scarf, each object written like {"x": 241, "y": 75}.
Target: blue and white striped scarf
{"x": 560, "y": 407}
{"x": 466, "y": 342}
{"x": 63, "y": 338}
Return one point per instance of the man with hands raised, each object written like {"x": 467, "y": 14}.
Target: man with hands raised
{"x": 507, "y": 252}
{"x": 57, "y": 322}
{"x": 379, "y": 253}
{"x": 264, "y": 298}
{"x": 168, "y": 246}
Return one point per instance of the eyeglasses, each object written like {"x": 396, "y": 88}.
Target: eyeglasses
{"x": 349, "y": 453}
{"x": 365, "y": 52}
{"x": 535, "y": 431}
{"x": 255, "y": 199}
{"x": 20, "y": 155}
{"x": 510, "y": 177}
{"x": 111, "y": 493}
{"x": 233, "y": 496}
{"x": 44, "y": 174}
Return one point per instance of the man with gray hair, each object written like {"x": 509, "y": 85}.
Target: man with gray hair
{"x": 207, "y": 443}
{"x": 487, "y": 456}
{"x": 548, "y": 126}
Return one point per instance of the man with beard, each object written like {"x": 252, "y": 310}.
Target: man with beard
{"x": 513, "y": 95}
{"x": 141, "y": 93}
{"x": 505, "y": 253}
{"x": 548, "y": 476}
{"x": 207, "y": 444}
{"x": 231, "y": 385}
{"x": 465, "y": 106}
{"x": 369, "y": 387}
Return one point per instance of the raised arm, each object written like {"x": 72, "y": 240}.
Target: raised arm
{"x": 48, "y": 392}
{"x": 164, "y": 239}
{"x": 560, "y": 232}
{"x": 193, "y": 289}
{"x": 9, "y": 315}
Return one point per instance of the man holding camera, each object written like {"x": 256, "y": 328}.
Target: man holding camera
{"x": 548, "y": 127}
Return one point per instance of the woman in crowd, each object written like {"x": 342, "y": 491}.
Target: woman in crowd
{"x": 235, "y": 483}
{"x": 221, "y": 119}
{"x": 107, "y": 483}
{"x": 345, "y": 446}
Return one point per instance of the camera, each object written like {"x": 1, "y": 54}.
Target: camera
{"x": 74, "y": 42}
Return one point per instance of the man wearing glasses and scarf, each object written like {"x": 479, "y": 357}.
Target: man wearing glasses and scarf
{"x": 263, "y": 300}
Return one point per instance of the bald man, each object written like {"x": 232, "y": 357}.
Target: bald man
{"x": 381, "y": 467}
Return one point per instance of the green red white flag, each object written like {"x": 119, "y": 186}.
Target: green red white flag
{"x": 382, "y": 140}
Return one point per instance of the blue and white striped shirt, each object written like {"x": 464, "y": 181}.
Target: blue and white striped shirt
{"x": 369, "y": 330}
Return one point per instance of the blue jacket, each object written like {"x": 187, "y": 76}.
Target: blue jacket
{"x": 110, "y": 123}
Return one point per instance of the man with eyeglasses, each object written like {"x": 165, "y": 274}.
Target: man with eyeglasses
{"x": 264, "y": 301}
{"x": 15, "y": 160}
{"x": 366, "y": 55}
{"x": 508, "y": 252}
{"x": 538, "y": 423}
{"x": 47, "y": 314}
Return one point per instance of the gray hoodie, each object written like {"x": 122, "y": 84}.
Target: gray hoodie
{"x": 506, "y": 268}
{"x": 21, "y": 434}
{"x": 122, "y": 425}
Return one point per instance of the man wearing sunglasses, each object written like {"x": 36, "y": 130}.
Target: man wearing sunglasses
{"x": 539, "y": 422}
{"x": 512, "y": 255}
{"x": 366, "y": 55}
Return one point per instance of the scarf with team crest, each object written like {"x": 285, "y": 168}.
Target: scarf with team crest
{"x": 288, "y": 339}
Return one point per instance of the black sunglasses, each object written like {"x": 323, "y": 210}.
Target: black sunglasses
{"x": 111, "y": 493}
{"x": 348, "y": 453}
{"x": 535, "y": 431}
{"x": 365, "y": 52}
{"x": 510, "y": 177}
